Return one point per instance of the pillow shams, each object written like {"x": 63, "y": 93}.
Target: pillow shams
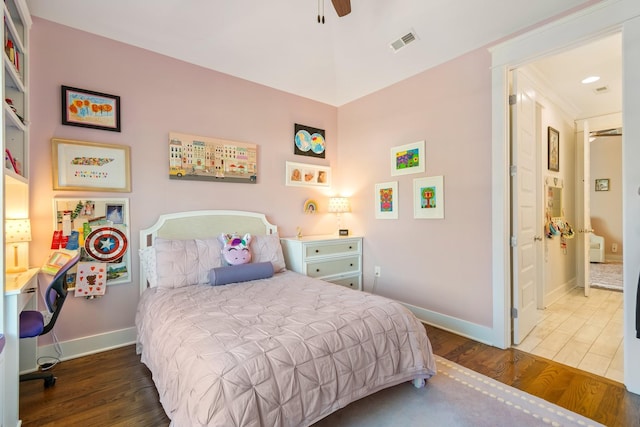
{"x": 266, "y": 247}
{"x": 240, "y": 273}
{"x": 185, "y": 262}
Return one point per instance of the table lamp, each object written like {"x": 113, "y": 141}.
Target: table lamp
{"x": 17, "y": 233}
{"x": 339, "y": 205}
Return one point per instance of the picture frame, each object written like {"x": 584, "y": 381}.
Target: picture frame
{"x": 90, "y": 109}
{"x": 602, "y": 184}
{"x": 386, "y": 200}
{"x": 428, "y": 197}
{"x": 105, "y": 237}
{"x": 553, "y": 149}
{"x": 307, "y": 175}
{"x": 308, "y": 141}
{"x": 408, "y": 159}
{"x": 203, "y": 158}
{"x": 90, "y": 166}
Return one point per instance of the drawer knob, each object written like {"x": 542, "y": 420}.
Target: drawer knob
{"x": 317, "y": 270}
{"x": 350, "y": 247}
{"x": 351, "y": 265}
{"x": 317, "y": 250}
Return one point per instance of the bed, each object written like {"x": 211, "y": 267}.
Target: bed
{"x": 285, "y": 350}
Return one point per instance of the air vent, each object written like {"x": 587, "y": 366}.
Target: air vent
{"x": 410, "y": 37}
{"x": 601, "y": 89}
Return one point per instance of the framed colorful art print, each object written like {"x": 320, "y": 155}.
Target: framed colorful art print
{"x": 89, "y": 109}
{"x": 428, "y": 197}
{"x": 408, "y": 159}
{"x": 386, "y": 200}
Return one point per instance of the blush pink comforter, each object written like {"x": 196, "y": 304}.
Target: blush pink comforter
{"x": 284, "y": 351}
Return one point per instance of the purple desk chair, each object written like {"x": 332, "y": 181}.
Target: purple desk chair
{"x": 32, "y": 323}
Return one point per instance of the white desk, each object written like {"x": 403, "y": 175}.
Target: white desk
{"x": 19, "y": 290}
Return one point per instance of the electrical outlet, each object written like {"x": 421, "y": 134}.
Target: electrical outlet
{"x": 614, "y": 247}
{"x": 377, "y": 271}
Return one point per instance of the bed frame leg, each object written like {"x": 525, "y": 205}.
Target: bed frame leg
{"x": 418, "y": 382}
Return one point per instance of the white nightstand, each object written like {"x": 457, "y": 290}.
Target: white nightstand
{"x": 334, "y": 259}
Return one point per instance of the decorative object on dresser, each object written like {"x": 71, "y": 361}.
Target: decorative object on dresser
{"x": 90, "y": 166}
{"x": 308, "y": 141}
{"x": 17, "y": 232}
{"x": 428, "y": 197}
{"x": 89, "y": 109}
{"x": 333, "y": 259}
{"x": 407, "y": 159}
{"x": 338, "y": 206}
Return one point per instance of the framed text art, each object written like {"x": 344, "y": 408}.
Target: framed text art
{"x": 428, "y": 197}
{"x": 89, "y": 109}
{"x": 101, "y": 229}
{"x": 386, "y": 200}
{"x": 553, "y": 147}
{"x": 408, "y": 159}
{"x": 90, "y": 166}
{"x": 305, "y": 175}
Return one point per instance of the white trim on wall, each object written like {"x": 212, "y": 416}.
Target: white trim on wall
{"x": 588, "y": 24}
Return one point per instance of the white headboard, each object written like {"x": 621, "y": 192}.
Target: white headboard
{"x": 200, "y": 225}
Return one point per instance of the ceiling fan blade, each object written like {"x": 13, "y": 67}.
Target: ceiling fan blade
{"x": 342, "y": 7}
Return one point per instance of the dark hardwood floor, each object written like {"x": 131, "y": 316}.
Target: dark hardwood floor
{"x": 114, "y": 389}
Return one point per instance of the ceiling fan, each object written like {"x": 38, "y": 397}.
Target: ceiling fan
{"x": 342, "y": 7}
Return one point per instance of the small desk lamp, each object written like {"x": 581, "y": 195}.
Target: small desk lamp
{"x": 339, "y": 205}
{"x": 17, "y": 232}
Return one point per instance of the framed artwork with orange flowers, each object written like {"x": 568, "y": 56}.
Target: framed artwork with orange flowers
{"x": 89, "y": 109}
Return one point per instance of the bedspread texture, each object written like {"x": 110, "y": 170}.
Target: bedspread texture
{"x": 282, "y": 351}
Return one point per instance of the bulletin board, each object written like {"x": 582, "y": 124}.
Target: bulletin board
{"x": 103, "y": 228}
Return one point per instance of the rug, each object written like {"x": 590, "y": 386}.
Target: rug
{"x": 607, "y": 275}
{"x": 455, "y": 397}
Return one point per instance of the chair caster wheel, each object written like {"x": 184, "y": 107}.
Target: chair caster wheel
{"x": 49, "y": 382}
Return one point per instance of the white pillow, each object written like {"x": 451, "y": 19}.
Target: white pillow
{"x": 148, "y": 261}
{"x": 267, "y": 248}
{"x": 185, "y": 262}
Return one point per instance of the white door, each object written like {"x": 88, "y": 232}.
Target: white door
{"x": 526, "y": 232}
{"x": 583, "y": 199}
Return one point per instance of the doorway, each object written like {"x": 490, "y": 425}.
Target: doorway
{"x": 585, "y": 333}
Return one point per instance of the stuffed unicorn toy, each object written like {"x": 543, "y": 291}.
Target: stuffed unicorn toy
{"x": 235, "y": 250}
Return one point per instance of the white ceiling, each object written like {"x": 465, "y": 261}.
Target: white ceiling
{"x": 278, "y": 43}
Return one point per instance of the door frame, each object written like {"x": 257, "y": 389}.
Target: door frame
{"x": 583, "y": 26}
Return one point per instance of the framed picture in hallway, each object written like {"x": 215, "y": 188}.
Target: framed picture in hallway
{"x": 553, "y": 147}
{"x": 602, "y": 184}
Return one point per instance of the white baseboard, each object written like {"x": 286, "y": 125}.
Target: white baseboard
{"x": 457, "y": 326}
{"x": 90, "y": 345}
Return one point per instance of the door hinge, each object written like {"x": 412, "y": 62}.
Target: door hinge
{"x": 513, "y": 99}
{"x": 513, "y": 169}
{"x": 514, "y": 312}
{"x": 514, "y": 241}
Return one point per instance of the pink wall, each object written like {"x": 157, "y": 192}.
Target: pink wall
{"x": 160, "y": 95}
{"x": 442, "y": 265}
{"x": 439, "y": 265}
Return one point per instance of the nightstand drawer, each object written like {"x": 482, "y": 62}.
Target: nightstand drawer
{"x": 334, "y": 266}
{"x": 352, "y": 282}
{"x": 333, "y": 248}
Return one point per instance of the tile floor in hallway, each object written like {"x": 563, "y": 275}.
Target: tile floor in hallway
{"x": 582, "y": 332}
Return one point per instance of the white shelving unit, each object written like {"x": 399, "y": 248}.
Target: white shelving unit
{"x": 14, "y": 120}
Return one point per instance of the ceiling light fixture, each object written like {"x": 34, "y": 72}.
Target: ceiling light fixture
{"x": 590, "y": 79}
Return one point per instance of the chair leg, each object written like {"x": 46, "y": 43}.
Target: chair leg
{"x": 49, "y": 378}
